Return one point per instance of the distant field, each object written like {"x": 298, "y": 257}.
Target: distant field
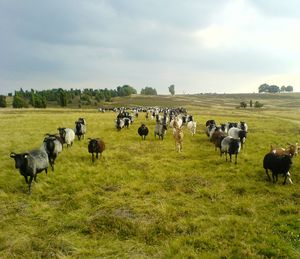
{"x": 143, "y": 199}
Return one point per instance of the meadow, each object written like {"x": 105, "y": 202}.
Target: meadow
{"x": 142, "y": 199}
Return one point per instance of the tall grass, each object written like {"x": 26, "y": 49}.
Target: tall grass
{"x": 142, "y": 198}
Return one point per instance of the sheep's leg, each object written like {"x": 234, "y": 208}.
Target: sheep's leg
{"x": 29, "y": 184}
{"x": 284, "y": 182}
{"x": 235, "y": 158}
{"x": 93, "y": 157}
{"x": 26, "y": 178}
{"x": 268, "y": 175}
{"x": 97, "y": 155}
{"x": 226, "y": 156}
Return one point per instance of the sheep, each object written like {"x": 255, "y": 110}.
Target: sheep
{"x": 291, "y": 150}
{"x": 231, "y": 146}
{"x": 277, "y": 165}
{"x": 176, "y": 122}
{"x": 80, "y": 128}
{"x": 217, "y": 138}
{"x": 97, "y": 146}
{"x": 209, "y": 126}
{"x": 119, "y": 124}
{"x": 30, "y": 164}
{"x": 238, "y": 134}
{"x": 243, "y": 125}
{"x": 68, "y": 135}
{"x": 192, "y": 125}
{"x": 53, "y": 147}
{"x": 143, "y": 131}
{"x": 160, "y": 130}
{"x": 178, "y": 136}
{"x": 126, "y": 122}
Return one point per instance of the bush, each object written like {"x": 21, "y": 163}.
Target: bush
{"x": 257, "y": 104}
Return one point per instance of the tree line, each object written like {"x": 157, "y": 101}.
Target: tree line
{"x": 40, "y": 99}
{"x": 265, "y": 88}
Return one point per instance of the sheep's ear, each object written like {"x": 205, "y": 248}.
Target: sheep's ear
{"x": 12, "y": 154}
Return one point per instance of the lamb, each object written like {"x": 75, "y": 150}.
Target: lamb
{"x": 231, "y": 146}
{"x": 178, "y": 136}
{"x": 277, "y": 165}
{"x": 67, "y": 135}
{"x": 97, "y": 146}
{"x": 53, "y": 147}
{"x": 30, "y": 164}
{"x": 143, "y": 131}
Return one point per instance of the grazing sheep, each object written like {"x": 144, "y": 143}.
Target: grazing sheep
{"x": 97, "y": 146}
{"x": 143, "y": 131}
{"x": 231, "y": 146}
{"x": 53, "y": 147}
{"x": 238, "y": 134}
{"x": 277, "y": 165}
{"x": 160, "y": 130}
{"x": 30, "y": 164}
{"x": 178, "y": 136}
{"x": 67, "y": 135}
{"x": 80, "y": 128}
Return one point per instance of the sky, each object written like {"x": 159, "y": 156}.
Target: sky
{"x": 216, "y": 46}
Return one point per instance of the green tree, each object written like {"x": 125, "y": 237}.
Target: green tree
{"x": 243, "y": 104}
{"x": 257, "y": 104}
{"x": 19, "y": 102}
{"x": 289, "y": 88}
{"x": 251, "y": 103}
{"x": 62, "y": 98}
{"x": 3, "y": 101}
{"x": 148, "y": 91}
{"x": 172, "y": 89}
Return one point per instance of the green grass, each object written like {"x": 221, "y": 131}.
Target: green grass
{"x": 143, "y": 199}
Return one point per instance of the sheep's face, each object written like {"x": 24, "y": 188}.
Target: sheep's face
{"x": 20, "y": 159}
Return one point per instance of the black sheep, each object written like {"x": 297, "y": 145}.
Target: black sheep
{"x": 143, "y": 131}
{"x": 30, "y": 164}
{"x": 97, "y": 146}
{"x": 278, "y": 165}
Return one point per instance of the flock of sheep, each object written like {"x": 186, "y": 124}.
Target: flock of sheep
{"x": 229, "y": 138}
{"x": 37, "y": 160}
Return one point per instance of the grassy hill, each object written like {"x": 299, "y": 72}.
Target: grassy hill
{"x": 143, "y": 199}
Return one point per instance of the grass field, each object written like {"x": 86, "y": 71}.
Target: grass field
{"x": 144, "y": 200}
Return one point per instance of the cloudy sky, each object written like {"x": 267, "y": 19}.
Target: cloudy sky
{"x": 229, "y": 46}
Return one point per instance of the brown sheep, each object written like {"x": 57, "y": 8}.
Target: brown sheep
{"x": 178, "y": 136}
{"x": 97, "y": 146}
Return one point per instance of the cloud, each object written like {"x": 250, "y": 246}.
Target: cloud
{"x": 212, "y": 46}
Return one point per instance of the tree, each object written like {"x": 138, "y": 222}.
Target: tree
{"x": 289, "y": 88}
{"x": 19, "y": 102}
{"x": 148, "y": 91}
{"x": 257, "y": 104}
{"x": 62, "y": 98}
{"x": 172, "y": 89}
{"x": 251, "y": 103}
{"x": 282, "y": 88}
{"x": 243, "y": 104}
{"x": 125, "y": 90}
{"x": 3, "y": 101}
{"x": 263, "y": 88}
